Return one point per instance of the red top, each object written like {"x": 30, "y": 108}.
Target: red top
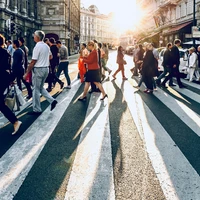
{"x": 92, "y": 60}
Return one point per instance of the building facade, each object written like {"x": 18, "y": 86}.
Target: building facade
{"x": 61, "y": 20}
{"x": 95, "y": 25}
{"x": 167, "y": 20}
{"x": 25, "y": 14}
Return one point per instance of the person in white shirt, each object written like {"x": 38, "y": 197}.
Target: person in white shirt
{"x": 192, "y": 65}
{"x": 40, "y": 69}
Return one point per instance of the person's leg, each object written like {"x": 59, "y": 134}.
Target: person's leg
{"x": 177, "y": 74}
{"x": 87, "y": 85}
{"x": 60, "y": 69}
{"x": 162, "y": 75}
{"x": 197, "y": 74}
{"x": 44, "y": 73}
{"x": 36, "y": 80}
{"x": 65, "y": 67}
{"x": 135, "y": 70}
{"x": 140, "y": 82}
{"x": 149, "y": 81}
{"x": 6, "y": 111}
{"x": 117, "y": 71}
{"x": 122, "y": 70}
{"x": 19, "y": 84}
{"x": 154, "y": 83}
{"x": 191, "y": 72}
{"x": 100, "y": 88}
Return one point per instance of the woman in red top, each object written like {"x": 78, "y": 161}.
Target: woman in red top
{"x": 93, "y": 72}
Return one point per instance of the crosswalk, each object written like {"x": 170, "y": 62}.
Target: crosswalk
{"x": 69, "y": 153}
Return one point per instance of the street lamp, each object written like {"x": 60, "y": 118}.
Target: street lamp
{"x": 194, "y": 20}
{"x": 69, "y": 30}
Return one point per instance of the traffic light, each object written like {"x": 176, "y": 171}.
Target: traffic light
{"x": 13, "y": 28}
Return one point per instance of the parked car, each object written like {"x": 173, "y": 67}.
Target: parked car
{"x": 183, "y": 60}
{"x": 129, "y": 50}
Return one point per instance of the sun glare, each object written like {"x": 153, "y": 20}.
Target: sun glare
{"x": 126, "y": 16}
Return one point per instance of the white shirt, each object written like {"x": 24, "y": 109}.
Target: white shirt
{"x": 41, "y": 53}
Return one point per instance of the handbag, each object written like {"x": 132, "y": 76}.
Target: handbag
{"x": 19, "y": 95}
{"x": 10, "y": 98}
{"x": 124, "y": 62}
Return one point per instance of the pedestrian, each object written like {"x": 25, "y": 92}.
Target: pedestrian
{"x": 121, "y": 62}
{"x": 104, "y": 58}
{"x": 5, "y": 79}
{"x": 25, "y": 50}
{"x": 54, "y": 62}
{"x": 10, "y": 49}
{"x": 40, "y": 69}
{"x": 94, "y": 88}
{"x": 176, "y": 63}
{"x": 134, "y": 70}
{"x": 192, "y": 65}
{"x": 93, "y": 71}
{"x": 18, "y": 68}
{"x": 64, "y": 63}
{"x": 148, "y": 68}
{"x": 167, "y": 64}
{"x": 82, "y": 66}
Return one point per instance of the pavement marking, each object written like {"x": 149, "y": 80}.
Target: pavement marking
{"x": 187, "y": 115}
{"x": 177, "y": 177}
{"x": 190, "y": 83}
{"x": 92, "y": 172}
{"x": 19, "y": 159}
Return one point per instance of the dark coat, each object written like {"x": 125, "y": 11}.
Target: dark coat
{"x": 175, "y": 56}
{"x": 55, "y": 60}
{"x": 167, "y": 59}
{"x": 149, "y": 64}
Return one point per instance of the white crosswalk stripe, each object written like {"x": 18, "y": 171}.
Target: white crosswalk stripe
{"x": 92, "y": 174}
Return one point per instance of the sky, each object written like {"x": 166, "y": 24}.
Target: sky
{"x": 127, "y": 13}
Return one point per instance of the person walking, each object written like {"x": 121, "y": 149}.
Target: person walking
{"x": 176, "y": 62}
{"x": 105, "y": 57}
{"x": 121, "y": 62}
{"x": 54, "y": 62}
{"x": 64, "y": 62}
{"x": 25, "y": 50}
{"x": 18, "y": 68}
{"x": 134, "y": 70}
{"x": 93, "y": 72}
{"x": 5, "y": 79}
{"x": 192, "y": 65}
{"x": 40, "y": 69}
{"x": 10, "y": 49}
{"x": 148, "y": 68}
{"x": 167, "y": 63}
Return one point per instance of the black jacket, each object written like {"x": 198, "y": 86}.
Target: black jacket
{"x": 149, "y": 64}
{"x": 167, "y": 59}
{"x": 175, "y": 56}
{"x": 55, "y": 60}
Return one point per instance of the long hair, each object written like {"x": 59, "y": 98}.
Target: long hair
{"x": 119, "y": 48}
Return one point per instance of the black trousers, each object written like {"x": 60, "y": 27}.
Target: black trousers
{"x": 19, "y": 78}
{"x": 52, "y": 77}
{"x": 3, "y": 108}
{"x": 148, "y": 80}
{"x": 173, "y": 72}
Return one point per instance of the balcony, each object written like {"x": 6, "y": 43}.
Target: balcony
{"x": 168, "y": 3}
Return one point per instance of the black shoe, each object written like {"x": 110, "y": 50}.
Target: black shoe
{"x": 49, "y": 89}
{"x": 61, "y": 85}
{"x": 163, "y": 86}
{"x": 82, "y": 99}
{"x": 172, "y": 85}
{"x": 34, "y": 113}
{"x": 182, "y": 86}
{"x": 104, "y": 97}
{"x": 53, "y": 105}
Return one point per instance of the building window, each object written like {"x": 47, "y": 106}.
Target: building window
{"x": 28, "y": 7}
{"x": 19, "y": 5}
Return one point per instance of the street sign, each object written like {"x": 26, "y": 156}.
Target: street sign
{"x": 8, "y": 23}
{"x": 68, "y": 35}
{"x": 195, "y": 32}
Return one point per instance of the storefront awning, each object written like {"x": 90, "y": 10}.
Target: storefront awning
{"x": 152, "y": 35}
{"x": 178, "y": 27}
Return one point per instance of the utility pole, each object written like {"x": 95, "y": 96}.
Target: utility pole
{"x": 194, "y": 19}
{"x": 69, "y": 18}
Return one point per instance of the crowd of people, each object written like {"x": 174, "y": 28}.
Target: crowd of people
{"x": 49, "y": 59}
{"x": 146, "y": 62}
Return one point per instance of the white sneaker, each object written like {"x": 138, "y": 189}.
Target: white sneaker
{"x": 17, "y": 127}
{"x": 68, "y": 87}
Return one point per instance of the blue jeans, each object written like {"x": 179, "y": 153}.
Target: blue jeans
{"x": 166, "y": 70}
{"x": 63, "y": 66}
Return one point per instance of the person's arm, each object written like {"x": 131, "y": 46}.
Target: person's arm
{"x": 90, "y": 59}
